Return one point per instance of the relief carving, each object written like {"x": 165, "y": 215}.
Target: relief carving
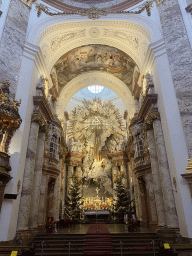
{"x": 134, "y": 41}
{"x": 57, "y": 41}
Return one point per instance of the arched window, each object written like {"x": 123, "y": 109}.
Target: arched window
{"x": 139, "y": 146}
{"x": 53, "y": 147}
{"x": 95, "y": 88}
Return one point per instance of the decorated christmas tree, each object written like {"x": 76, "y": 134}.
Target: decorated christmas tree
{"x": 122, "y": 203}
{"x": 73, "y": 201}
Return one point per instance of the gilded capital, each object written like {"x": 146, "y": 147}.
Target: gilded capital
{"x": 189, "y": 167}
{"x": 37, "y": 117}
{"x": 28, "y": 2}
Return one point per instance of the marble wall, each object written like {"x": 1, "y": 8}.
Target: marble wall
{"x": 179, "y": 55}
{"x": 12, "y": 42}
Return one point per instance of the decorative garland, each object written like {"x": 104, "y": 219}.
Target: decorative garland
{"x": 93, "y": 12}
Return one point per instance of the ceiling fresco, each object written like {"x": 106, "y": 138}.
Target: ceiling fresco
{"x": 93, "y": 57}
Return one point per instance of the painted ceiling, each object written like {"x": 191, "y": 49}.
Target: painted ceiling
{"x": 93, "y": 57}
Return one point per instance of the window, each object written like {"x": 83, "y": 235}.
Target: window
{"x": 95, "y": 88}
{"x": 139, "y": 146}
{"x": 53, "y": 147}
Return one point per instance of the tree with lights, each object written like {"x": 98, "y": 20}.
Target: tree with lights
{"x": 122, "y": 203}
{"x": 73, "y": 201}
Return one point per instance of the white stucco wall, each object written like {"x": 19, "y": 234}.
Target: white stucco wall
{"x": 26, "y": 89}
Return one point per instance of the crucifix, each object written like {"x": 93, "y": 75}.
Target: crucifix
{"x": 97, "y": 190}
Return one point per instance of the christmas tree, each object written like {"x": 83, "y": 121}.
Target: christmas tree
{"x": 73, "y": 201}
{"x": 122, "y": 203}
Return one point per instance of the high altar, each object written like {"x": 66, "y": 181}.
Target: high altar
{"x": 96, "y": 133}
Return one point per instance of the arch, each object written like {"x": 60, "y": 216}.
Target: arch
{"x": 131, "y": 34}
{"x": 91, "y": 78}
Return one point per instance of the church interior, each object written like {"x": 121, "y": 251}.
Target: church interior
{"x": 99, "y": 90}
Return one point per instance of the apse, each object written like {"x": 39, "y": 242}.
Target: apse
{"x": 96, "y": 131}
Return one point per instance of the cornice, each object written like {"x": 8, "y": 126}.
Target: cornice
{"x": 75, "y": 155}
{"x": 148, "y": 111}
{"x": 148, "y": 102}
{"x": 41, "y": 105}
{"x": 188, "y": 177}
{"x": 50, "y": 170}
{"x": 142, "y": 170}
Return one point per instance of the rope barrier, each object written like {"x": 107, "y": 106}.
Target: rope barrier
{"x": 139, "y": 250}
{"x": 87, "y": 252}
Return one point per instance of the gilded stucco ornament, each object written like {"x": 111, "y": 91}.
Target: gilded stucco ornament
{"x": 10, "y": 119}
{"x": 28, "y": 2}
{"x": 158, "y": 1}
{"x": 93, "y": 12}
{"x": 189, "y": 9}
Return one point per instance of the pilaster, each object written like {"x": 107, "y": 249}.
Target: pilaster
{"x": 169, "y": 200}
{"x": 26, "y": 193}
{"x": 69, "y": 177}
{"x": 156, "y": 179}
{"x": 124, "y": 172}
{"x": 114, "y": 175}
{"x": 79, "y": 174}
{"x": 41, "y": 208}
{"x": 179, "y": 54}
{"x": 33, "y": 218}
{"x": 152, "y": 204}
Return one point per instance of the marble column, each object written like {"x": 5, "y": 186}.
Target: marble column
{"x": 137, "y": 197}
{"x": 56, "y": 202}
{"x": 64, "y": 188}
{"x": 165, "y": 177}
{"x": 41, "y": 209}
{"x": 26, "y": 193}
{"x": 37, "y": 181}
{"x": 114, "y": 175}
{"x": 151, "y": 196}
{"x": 69, "y": 177}
{"x": 79, "y": 174}
{"x": 156, "y": 180}
{"x": 124, "y": 171}
{"x": 129, "y": 184}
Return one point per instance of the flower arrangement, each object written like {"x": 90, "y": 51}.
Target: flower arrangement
{"x": 104, "y": 205}
{"x": 90, "y": 205}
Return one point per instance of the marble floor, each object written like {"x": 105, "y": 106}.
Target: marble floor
{"x": 113, "y": 228}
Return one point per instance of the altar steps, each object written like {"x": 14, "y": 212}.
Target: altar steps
{"x": 135, "y": 244}
{"x": 132, "y": 244}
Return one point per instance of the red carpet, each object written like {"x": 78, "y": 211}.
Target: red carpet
{"x": 98, "y": 240}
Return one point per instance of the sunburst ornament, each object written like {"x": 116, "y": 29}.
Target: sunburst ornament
{"x": 94, "y": 124}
